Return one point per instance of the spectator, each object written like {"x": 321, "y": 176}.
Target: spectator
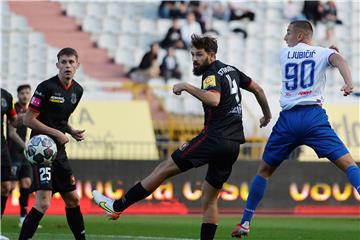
{"x": 330, "y": 19}
{"x": 312, "y": 10}
{"x": 172, "y": 9}
{"x": 292, "y": 12}
{"x": 148, "y": 68}
{"x": 173, "y": 36}
{"x": 190, "y": 27}
{"x": 238, "y": 12}
{"x": 221, "y": 10}
{"x": 169, "y": 67}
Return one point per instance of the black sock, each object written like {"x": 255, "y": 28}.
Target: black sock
{"x": 76, "y": 222}
{"x": 208, "y": 231}
{"x": 30, "y": 224}
{"x": 136, "y": 193}
{"x": 3, "y": 204}
{"x": 23, "y": 200}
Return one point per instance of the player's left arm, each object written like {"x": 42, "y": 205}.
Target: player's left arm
{"x": 210, "y": 98}
{"x": 338, "y": 61}
{"x": 78, "y": 135}
{"x": 259, "y": 93}
{"x": 15, "y": 137}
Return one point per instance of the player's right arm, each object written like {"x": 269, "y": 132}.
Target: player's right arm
{"x": 259, "y": 93}
{"x": 14, "y": 136}
{"x": 31, "y": 121}
{"x": 36, "y": 106}
{"x": 338, "y": 61}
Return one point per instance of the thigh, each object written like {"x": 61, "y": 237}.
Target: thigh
{"x": 281, "y": 143}
{"x": 325, "y": 142}
{"x": 25, "y": 170}
{"x": 7, "y": 171}
{"x": 220, "y": 166}
{"x": 42, "y": 177}
{"x": 63, "y": 180}
{"x": 195, "y": 153}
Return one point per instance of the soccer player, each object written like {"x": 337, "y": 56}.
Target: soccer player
{"x": 217, "y": 145}
{"x": 16, "y": 141}
{"x": 8, "y": 109}
{"x": 302, "y": 120}
{"x": 49, "y": 110}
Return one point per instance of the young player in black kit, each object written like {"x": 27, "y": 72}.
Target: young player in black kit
{"x": 7, "y": 175}
{"x": 50, "y": 108}
{"x": 16, "y": 142}
{"x": 217, "y": 145}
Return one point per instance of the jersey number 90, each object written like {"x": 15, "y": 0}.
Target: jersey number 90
{"x": 292, "y": 75}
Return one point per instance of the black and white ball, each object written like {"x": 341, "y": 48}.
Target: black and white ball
{"x": 40, "y": 149}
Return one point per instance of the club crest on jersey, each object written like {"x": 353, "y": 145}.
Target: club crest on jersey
{"x": 209, "y": 81}
{"x": 56, "y": 99}
{"x": 73, "y": 98}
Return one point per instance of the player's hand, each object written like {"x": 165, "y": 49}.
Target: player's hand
{"x": 178, "y": 88}
{"x": 347, "y": 89}
{"x": 264, "y": 121}
{"x": 335, "y": 48}
{"x": 62, "y": 138}
{"x": 78, "y": 135}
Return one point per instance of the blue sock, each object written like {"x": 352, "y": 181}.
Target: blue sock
{"x": 256, "y": 193}
{"x": 353, "y": 174}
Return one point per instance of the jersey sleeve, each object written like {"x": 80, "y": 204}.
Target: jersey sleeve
{"x": 244, "y": 79}
{"x": 327, "y": 53}
{"x": 38, "y": 100}
{"x": 11, "y": 112}
{"x": 211, "y": 82}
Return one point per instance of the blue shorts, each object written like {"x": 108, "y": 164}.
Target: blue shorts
{"x": 303, "y": 125}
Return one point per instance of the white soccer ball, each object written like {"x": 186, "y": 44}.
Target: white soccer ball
{"x": 40, "y": 149}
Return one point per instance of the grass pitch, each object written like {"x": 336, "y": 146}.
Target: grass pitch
{"x": 188, "y": 227}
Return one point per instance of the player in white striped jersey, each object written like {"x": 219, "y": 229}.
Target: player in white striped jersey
{"x": 302, "y": 120}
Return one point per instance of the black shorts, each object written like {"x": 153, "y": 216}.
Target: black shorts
{"x": 219, "y": 153}
{"x": 57, "y": 177}
{"x": 6, "y": 172}
{"x": 20, "y": 166}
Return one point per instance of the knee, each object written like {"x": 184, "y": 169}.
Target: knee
{"x": 265, "y": 171}
{"x": 72, "y": 201}
{"x": 165, "y": 169}
{"x": 6, "y": 188}
{"x": 208, "y": 202}
{"x": 42, "y": 205}
{"x": 25, "y": 183}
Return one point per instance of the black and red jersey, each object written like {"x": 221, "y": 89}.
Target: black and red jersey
{"x": 225, "y": 120}
{"x": 7, "y": 107}
{"x": 55, "y": 102}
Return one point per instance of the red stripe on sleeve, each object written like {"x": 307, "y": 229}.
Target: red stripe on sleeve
{"x": 12, "y": 112}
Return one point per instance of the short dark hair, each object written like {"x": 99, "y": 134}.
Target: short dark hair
{"x": 209, "y": 44}
{"x": 303, "y": 25}
{"x": 23, "y": 86}
{"x": 68, "y": 52}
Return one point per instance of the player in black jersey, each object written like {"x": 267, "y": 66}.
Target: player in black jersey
{"x": 8, "y": 109}
{"x": 217, "y": 145}
{"x": 16, "y": 142}
{"x": 50, "y": 108}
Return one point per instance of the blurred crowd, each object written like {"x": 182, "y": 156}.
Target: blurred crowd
{"x": 189, "y": 17}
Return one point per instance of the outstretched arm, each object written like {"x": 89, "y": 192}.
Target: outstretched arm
{"x": 338, "y": 61}
{"x": 210, "y": 98}
{"x": 261, "y": 99}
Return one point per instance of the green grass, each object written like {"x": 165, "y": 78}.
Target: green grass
{"x": 187, "y": 227}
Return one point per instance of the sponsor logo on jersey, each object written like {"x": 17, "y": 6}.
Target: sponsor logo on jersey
{"x": 35, "y": 101}
{"x": 56, "y": 99}
{"x": 73, "y": 98}
{"x": 209, "y": 81}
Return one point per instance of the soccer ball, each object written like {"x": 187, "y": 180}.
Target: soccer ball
{"x": 40, "y": 149}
